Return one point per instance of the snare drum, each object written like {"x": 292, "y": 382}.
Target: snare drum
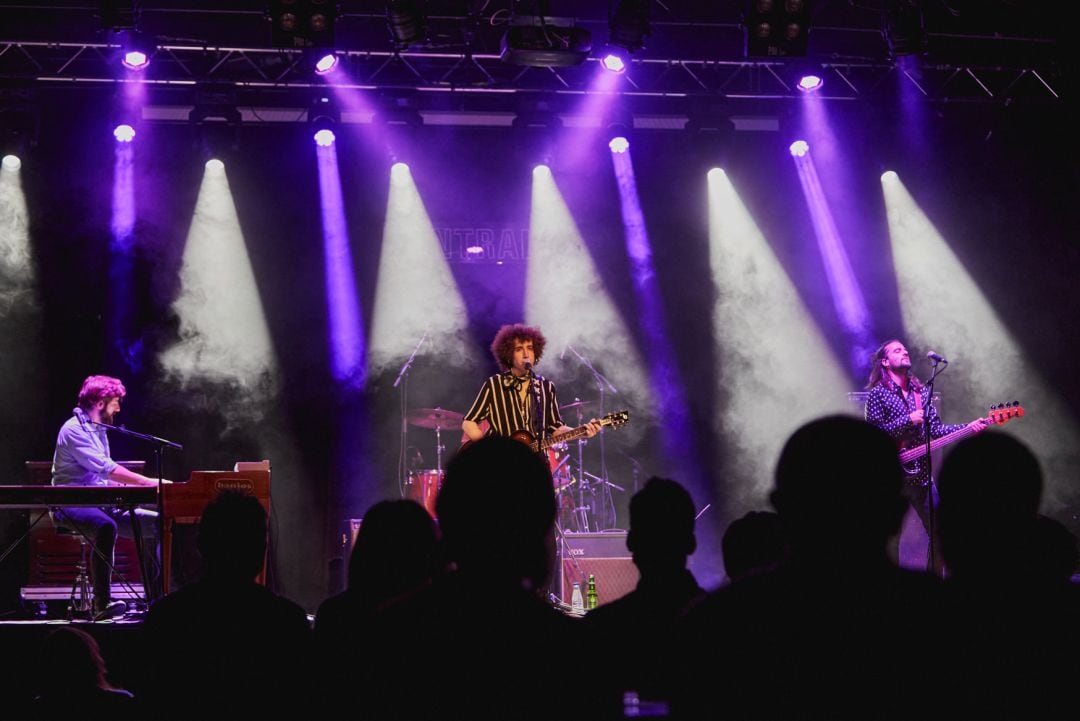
{"x": 423, "y": 487}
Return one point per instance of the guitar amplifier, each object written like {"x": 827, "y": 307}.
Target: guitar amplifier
{"x": 605, "y": 556}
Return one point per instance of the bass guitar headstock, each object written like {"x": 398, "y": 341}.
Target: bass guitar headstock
{"x": 1002, "y": 413}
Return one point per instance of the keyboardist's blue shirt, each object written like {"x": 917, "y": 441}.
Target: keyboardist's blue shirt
{"x": 82, "y": 453}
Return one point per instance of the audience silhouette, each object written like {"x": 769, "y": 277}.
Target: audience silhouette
{"x": 631, "y": 634}
{"x": 72, "y": 681}
{"x": 837, "y": 631}
{"x": 752, "y": 544}
{"x": 1014, "y": 618}
{"x": 480, "y": 642}
{"x": 395, "y": 554}
{"x": 225, "y": 643}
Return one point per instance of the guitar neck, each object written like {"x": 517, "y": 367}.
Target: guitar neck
{"x": 571, "y": 435}
{"x": 920, "y": 450}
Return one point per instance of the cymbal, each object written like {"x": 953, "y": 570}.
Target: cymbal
{"x": 577, "y": 404}
{"x": 434, "y": 418}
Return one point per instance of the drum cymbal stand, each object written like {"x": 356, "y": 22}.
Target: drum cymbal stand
{"x": 439, "y": 448}
{"x": 403, "y": 381}
{"x": 603, "y": 385}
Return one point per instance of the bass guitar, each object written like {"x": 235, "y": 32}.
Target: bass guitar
{"x": 912, "y": 451}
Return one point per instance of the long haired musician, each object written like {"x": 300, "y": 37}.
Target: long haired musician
{"x": 899, "y": 404}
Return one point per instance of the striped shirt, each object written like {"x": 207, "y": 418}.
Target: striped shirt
{"x": 499, "y": 403}
{"x": 889, "y": 410}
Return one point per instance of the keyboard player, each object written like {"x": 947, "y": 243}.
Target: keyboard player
{"x": 82, "y": 458}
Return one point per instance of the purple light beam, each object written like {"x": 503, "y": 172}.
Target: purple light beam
{"x": 847, "y": 296}
{"x": 678, "y": 437}
{"x": 347, "y": 347}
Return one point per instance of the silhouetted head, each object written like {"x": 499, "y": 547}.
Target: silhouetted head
{"x": 232, "y": 536}
{"x": 1054, "y": 551}
{"x": 496, "y": 511}
{"x": 756, "y": 542}
{"x": 838, "y": 488}
{"x": 395, "y": 551}
{"x": 990, "y": 487}
{"x": 661, "y": 526}
{"x": 70, "y": 662}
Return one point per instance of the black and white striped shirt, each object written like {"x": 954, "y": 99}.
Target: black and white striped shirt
{"x": 499, "y": 403}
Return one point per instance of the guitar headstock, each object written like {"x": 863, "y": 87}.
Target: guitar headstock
{"x": 1002, "y": 413}
{"x": 615, "y": 419}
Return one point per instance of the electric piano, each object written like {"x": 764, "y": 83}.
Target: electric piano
{"x": 181, "y": 503}
{"x": 46, "y": 497}
{"x": 184, "y": 502}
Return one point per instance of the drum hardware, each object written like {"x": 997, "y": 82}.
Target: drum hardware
{"x": 423, "y": 486}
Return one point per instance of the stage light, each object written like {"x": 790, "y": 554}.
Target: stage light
{"x": 629, "y": 25}
{"x": 215, "y": 124}
{"x": 810, "y": 83}
{"x": 324, "y": 115}
{"x": 117, "y": 14}
{"x": 399, "y": 174}
{"x": 776, "y": 28}
{"x": 12, "y": 162}
{"x": 715, "y": 174}
{"x": 135, "y": 60}
{"x": 619, "y": 144}
{"x": 137, "y": 50}
{"x": 613, "y": 63}
{"x": 405, "y": 19}
{"x": 302, "y": 23}
{"x": 124, "y": 133}
{"x": 541, "y": 170}
{"x": 215, "y": 164}
{"x": 904, "y": 28}
{"x": 475, "y": 250}
{"x": 889, "y": 176}
{"x": 544, "y": 42}
{"x": 799, "y": 148}
{"x": 326, "y": 64}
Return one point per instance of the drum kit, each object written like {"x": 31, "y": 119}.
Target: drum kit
{"x": 576, "y": 489}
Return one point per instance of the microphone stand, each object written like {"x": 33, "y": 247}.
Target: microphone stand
{"x": 601, "y": 383}
{"x": 931, "y": 525}
{"x": 159, "y": 444}
{"x": 403, "y": 380}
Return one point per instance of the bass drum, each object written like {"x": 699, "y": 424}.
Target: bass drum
{"x": 423, "y": 487}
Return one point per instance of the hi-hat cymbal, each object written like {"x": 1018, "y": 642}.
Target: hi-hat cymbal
{"x": 578, "y": 403}
{"x": 434, "y": 418}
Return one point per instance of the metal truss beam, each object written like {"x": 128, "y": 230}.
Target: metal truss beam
{"x": 56, "y": 64}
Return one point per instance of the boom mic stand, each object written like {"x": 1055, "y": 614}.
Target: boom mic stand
{"x": 931, "y": 526}
{"x": 159, "y": 444}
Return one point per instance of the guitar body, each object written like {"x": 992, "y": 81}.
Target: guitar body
{"x": 524, "y": 437}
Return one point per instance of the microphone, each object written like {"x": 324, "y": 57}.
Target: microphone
{"x": 936, "y": 358}
{"x": 528, "y": 366}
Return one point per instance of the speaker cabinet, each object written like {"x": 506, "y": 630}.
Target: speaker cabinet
{"x": 605, "y": 556}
